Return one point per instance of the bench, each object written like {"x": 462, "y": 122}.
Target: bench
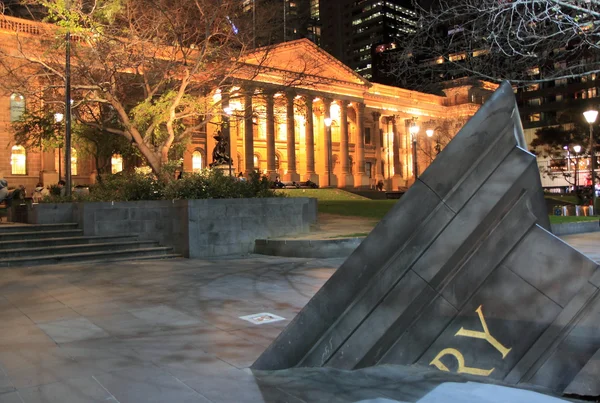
{"x": 393, "y": 195}
{"x": 299, "y": 185}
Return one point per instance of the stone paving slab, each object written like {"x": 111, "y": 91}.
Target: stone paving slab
{"x": 169, "y": 331}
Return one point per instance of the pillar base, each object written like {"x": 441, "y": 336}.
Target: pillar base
{"x": 49, "y": 177}
{"x": 291, "y": 177}
{"x": 362, "y": 181}
{"x": 326, "y": 180}
{"x": 398, "y": 182}
{"x": 312, "y": 177}
{"x": 346, "y": 181}
{"x": 272, "y": 176}
{"x": 93, "y": 177}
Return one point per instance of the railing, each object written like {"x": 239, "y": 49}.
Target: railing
{"x": 22, "y": 26}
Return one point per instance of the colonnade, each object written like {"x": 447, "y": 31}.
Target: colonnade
{"x": 316, "y": 143}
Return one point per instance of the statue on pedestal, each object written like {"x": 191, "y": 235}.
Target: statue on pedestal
{"x": 220, "y": 153}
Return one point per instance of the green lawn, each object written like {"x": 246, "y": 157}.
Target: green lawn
{"x": 554, "y": 219}
{"x": 570, "y": 199}
{"x": 340, "y": 202}
{"x": 322, "y": 194}
{"x": 375, "y": 209}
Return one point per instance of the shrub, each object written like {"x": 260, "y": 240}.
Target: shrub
{"x": 208, "y": 184}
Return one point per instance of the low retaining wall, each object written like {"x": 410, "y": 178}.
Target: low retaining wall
{"x": 575, "y": 227}
{"x": 194, "y": 228}
{"x": 306, "y": 248}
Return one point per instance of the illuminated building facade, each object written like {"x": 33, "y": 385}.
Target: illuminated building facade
{"x": 299, "y": 114}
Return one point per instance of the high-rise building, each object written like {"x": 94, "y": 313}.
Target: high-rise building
{"x": 276, "y": 21}
{"x": 355, "y": 31}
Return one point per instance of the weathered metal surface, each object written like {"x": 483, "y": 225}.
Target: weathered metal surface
{"x": 461, "y": 275}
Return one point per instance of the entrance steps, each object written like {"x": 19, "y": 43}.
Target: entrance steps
{"x": 29, "y": 245}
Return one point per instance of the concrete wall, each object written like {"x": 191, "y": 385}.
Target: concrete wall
{"x": 194, "y": 228}
{"x": 575, "y": 227}
{"x": 51, "y": 213}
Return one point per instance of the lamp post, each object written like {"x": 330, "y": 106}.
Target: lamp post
{"x": 414, "y": 130}
{"x": 68, "y": 102}
{"x": 577, "y": 149}
{"x": 590, "y": 117}
{"x": 327, "y": 122}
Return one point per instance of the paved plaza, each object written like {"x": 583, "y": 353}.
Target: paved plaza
{"x": 170, "y": 331}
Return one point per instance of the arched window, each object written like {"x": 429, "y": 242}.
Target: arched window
{"x": 74, "y": 162}
{"x": 196, "y": 161}
{"x": 18, "y": 161}
{"x": 256, "y": 162}
{"x": 17, "y": 107}
{"x": 116, "y": 163}
{"x": 276, "y": 162}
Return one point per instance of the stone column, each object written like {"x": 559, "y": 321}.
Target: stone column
{"x": 48, "y": 175}
{"x": 378, "y": 147}
{"x": 361, "y": 179}
{"x": 346, "y": 179}
{"x": 329, "y": 179}
{"x": 248, "y": 132}
{"x": 292, "y": 174}
{"x": 271, "y": 169}
{"x": 310, "y": 142}
{"x": 398, "y": 174}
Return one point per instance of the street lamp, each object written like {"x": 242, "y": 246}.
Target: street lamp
{"x": 327, "y": 122}
{"x": 414, "y": 130}
{"x": 590, "y": 117}
{"x": 577, "y": 149}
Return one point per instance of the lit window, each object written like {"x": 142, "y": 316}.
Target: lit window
{"x": 533, "y": 71}
{"x": 256, "y": 162}
{"x": 196, "y": 161}
{"x": 74, "y": 162}
{"x": 17, "y": 107}
{"x": 535, "y": 117}
{"x": 560, "y": 82}
{"x": 457, "y": 56}
{"x": 116, "y": 163}
{"x": 535, "y": 101}
{"x": 18, "y": 161}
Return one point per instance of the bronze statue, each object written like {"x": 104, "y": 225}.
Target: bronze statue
{"x": 220, "y": 153}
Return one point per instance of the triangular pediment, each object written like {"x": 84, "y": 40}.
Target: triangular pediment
{"x": 302, "y": 57}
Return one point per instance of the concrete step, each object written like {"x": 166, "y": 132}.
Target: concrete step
{"x": 10, "y": 236}
{"x": 153, "y": 252}
{"x": 68, "y": 248}
{"x": 72, "y": 240}
{"x": 18, "y": 227}
{"x": 136, "y": 259}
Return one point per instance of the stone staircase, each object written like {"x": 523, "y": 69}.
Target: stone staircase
{"x": 28, "y": 245}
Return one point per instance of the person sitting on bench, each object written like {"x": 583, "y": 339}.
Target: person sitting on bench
{"x": 3, "y": 190}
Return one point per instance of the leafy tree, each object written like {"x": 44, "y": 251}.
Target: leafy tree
{"x": 141, "y": 69}
{"x": 40, "y": 130}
